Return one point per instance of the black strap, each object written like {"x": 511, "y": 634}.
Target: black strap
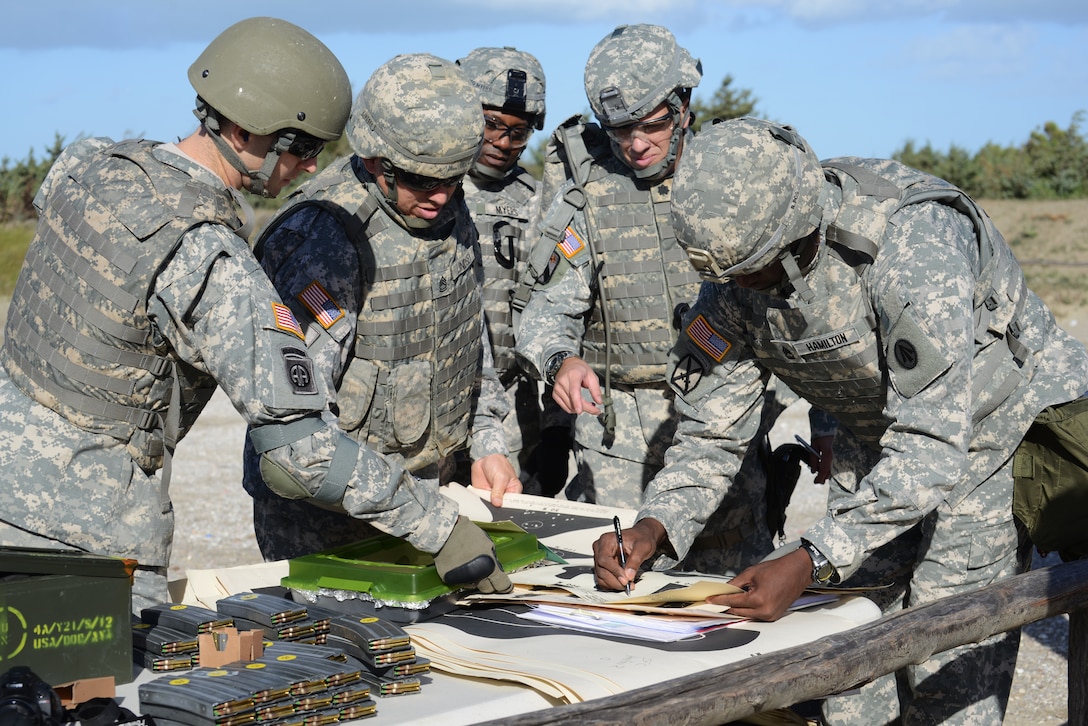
{"x": 102, "y": 712}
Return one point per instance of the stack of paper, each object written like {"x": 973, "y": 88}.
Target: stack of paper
{"x": 602, "y": 621}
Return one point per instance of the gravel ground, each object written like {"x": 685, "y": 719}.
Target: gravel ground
{"x": 214, "y": 529}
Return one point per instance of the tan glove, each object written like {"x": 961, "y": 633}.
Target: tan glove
{"x": 468, "y": 557}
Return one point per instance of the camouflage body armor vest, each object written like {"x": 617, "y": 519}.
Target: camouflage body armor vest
{"x": 78, "y": 339}
{"x": 641, "y": 273}
{"x": 831, "y": 347}
{"x": 408, "y": 388}
{"x": 500, "y": 209}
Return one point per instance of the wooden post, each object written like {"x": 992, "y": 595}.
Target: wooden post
{"x": 1078, "y": 667}
{"x": 845, "y": 660}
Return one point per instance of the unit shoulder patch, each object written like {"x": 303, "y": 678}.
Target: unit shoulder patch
{"x": 687, "y": 374}
{"x": 300, "y": 370}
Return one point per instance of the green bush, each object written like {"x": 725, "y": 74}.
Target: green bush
{"x": 1051, "y": 164}
{"x": 14, "y": 239}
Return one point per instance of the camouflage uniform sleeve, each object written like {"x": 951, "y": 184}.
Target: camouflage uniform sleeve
{"x": 491, "y": 408}
{"x": 821, "y": 423}
{"x": 719, "y": 398}
{"x": 216, "y": 306}
{"x": 922, "y": 289}
{"x": 316, "y": 270}
{"x": 553, "y": 319}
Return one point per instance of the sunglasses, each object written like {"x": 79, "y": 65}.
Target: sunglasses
{"x": 303, "y": 145}
{"x": 421, "y": 183}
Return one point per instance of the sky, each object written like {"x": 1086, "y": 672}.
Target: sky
{"x": 854, "y": 77}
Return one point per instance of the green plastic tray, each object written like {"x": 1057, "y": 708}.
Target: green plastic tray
{"x": 393, "y": 571}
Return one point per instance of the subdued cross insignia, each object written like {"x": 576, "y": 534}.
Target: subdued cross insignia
{"x": 687, "y": 374}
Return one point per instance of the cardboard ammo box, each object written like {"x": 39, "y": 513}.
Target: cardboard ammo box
{"x": 66, "y": 615}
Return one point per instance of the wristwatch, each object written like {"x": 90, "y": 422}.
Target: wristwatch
{"x": 822, "y": 569}
{"x": 551, "y": 367}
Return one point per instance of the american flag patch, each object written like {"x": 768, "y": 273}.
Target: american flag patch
{"x": 572, "y": 244}
{"x": 285, "y": 320}
{"x": 317, "y": 301}
{"x": 707, "y": 338}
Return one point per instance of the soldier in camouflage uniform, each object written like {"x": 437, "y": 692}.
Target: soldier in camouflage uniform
{"x": 504, "y": 203}
{"x": 377, "y": 258}
{"x": 139, "y": 294}
{"x": 887, "y": 297}
{"x": 611, "y": 281}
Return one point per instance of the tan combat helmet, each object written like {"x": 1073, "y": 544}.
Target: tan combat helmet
{"x": 271, "y": 77}
{"x": 633, "y": 70}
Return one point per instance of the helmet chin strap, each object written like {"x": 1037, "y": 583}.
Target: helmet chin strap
{"x": 390, "y": 194}
{"x": 257, "y": 177}
{"x": 665, "y": 167}
{"x": 489, "y": 173}
{"x": 795, "y": 276}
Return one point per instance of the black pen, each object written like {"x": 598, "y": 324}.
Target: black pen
{"x": 623, "y": 557}
{"x": 810, "y": 449}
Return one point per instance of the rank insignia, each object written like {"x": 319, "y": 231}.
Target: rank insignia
{"x": 704, "y": 336}
{"x": 571, "y": 243}
{"x": 320, "y": 304}
{"x": 285, "y": 320}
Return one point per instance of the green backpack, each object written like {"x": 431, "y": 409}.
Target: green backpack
{"x": 1051, "y": 472}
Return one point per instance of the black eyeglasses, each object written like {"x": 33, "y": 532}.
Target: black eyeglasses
{"x": 495, "y": 130}
{"x": 303, "y": 145}
{"x": 421, "y": 183}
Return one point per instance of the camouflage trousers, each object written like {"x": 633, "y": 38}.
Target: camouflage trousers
{"x": 149, "y": 584}
{"x": 614, "y": 471}
{"x": 952, "y": 550}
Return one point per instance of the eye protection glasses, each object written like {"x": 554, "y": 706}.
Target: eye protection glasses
{"x": 301, "y": 144}
{"x": 421, "y": 183}
{"x": 495, "y": 131}
{"x": 646, "y": 130}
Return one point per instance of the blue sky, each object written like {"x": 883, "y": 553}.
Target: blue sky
{"x": 853, "y": 76}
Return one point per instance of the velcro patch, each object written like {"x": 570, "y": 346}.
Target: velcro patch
{"x": 707, "y": 338}
{"x": 320, "y": 304}
{"x": 285, "y": 320}
{"x": 300, "y": 370}
{"x": 571, "y": 244}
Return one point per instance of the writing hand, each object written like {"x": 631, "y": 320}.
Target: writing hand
{"x": 639, "y": 543}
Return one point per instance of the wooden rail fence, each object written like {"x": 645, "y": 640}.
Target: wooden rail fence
{"x": 851, "y": 658}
